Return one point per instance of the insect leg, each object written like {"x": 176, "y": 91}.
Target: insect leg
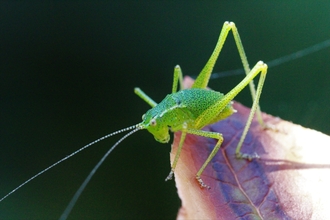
{"x": 212, "y": 154}
{"x": 204, "y": 76}
{"x": 177, "y": 77}
{"x": 177, "y": 155}
{"x": 207, "y": 116}
{"x": 245, "y": 63}
{"x": 145, "y": 97}
{"x": 254, "y": 108}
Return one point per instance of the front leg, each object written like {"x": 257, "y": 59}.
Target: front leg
{"x": 177, "y": 155}
{"x": 212, "y": 154}
{"x": 207, "y": 161}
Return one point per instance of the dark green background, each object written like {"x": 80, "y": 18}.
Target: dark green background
{"x": 67, "y": 73}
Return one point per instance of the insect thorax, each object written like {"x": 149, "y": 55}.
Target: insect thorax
{"x": 185, "y": 106}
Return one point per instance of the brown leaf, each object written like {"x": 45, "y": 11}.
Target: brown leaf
{"x": 289, "y": 181}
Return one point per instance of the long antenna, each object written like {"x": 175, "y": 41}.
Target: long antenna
{"x": 90, "y": 175}
{"x": 276, "y": 62}
{"x": 72, "y": 154}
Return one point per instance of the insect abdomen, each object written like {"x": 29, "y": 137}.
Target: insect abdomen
{"x": 196, "y": 101}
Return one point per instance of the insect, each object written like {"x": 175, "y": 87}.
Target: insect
{"x": 188, "y": 111}
{"x": 192, "y": 109}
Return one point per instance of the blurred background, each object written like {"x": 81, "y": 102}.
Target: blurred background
{"x": 67, "y": 73}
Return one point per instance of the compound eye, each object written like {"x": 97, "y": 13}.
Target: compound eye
{"x": 143, "y": 117}
{"x": 153, "y": 122}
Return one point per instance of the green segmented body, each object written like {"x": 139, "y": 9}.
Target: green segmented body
{"x": 191, "y": 109}
{"x": 182, "y": 109}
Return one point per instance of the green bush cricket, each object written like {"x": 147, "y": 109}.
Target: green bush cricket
{"x": 188, "y": 111}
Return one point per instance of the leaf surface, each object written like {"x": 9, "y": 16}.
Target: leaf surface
{"x": 289, "y": 181}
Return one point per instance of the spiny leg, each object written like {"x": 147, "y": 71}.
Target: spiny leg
{"x": 145, "y": 97}
{"x": 177, "y": 78}
{"x": 212, "y": 154}
{"x": 254, "y": 108}
{"x": 207, "y": 116}
{"x": 204, "y": 76}
{"x": 216, "y": 148}
{"x": 177, "y": 155}
{"x": 247, "y": 70}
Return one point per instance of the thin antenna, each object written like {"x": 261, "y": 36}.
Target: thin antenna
{"x": 278, "y": 61}
{"x": 136, "y": 127}
{"x": 88, "y": 178}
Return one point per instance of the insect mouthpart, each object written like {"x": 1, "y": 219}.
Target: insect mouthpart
{"x": 163, "y": 140}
